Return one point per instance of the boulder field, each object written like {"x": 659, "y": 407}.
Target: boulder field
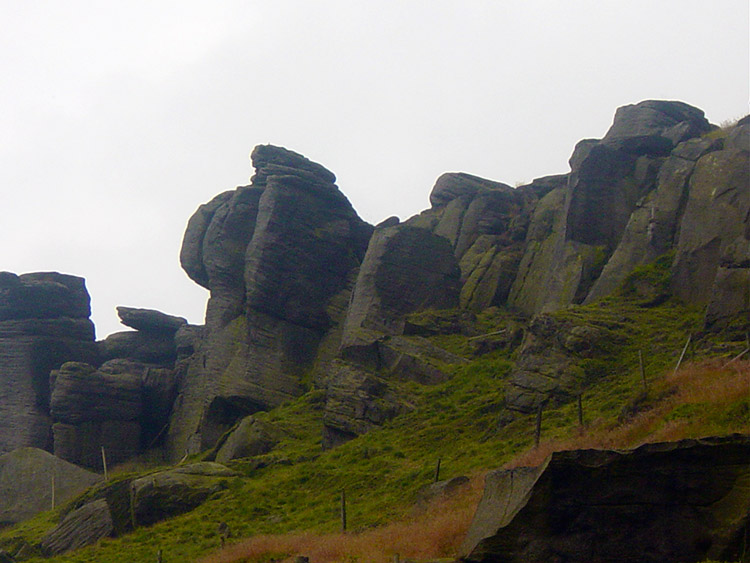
{"x": 305, "y": 294}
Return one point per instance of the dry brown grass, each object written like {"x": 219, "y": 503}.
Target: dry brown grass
{"x": 435, "y": 531}
{"x": 710, "y": 381}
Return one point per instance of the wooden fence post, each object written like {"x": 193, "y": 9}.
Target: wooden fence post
{"x": 643, "y": 370}
{"x": 104, "y": 464}
{"x": 682, "y": 355}
{"x": 437, "y": 471}
{"x": 538, "y": 428}
{"x": 343, "y": 510}
{"x": 580, "y": 410}
{"x": 53, "y": 492}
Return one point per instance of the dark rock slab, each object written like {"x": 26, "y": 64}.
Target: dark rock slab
{"x": 26, "y": 477}
{"x": 43, "y": 295}
{"x": 96, "y": 409}
{"x": 679, "y": 501}
{"x": 79, "y": 528}
{"x": 149, "y": 320}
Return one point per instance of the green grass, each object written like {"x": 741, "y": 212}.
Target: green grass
{"x": 462, "y": 422}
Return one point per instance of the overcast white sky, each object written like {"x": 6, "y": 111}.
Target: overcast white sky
{"x": 118, "y": 119}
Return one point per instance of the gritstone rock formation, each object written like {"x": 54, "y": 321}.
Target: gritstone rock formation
{"x": 679, "y": 501}
{"x": 44, "y": 322}
{"x": 278, "y": 257}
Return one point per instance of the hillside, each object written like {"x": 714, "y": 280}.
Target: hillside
{"x": 337, "y": 356}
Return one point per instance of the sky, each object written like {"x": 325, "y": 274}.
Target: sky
{"x": 118, "y": 119}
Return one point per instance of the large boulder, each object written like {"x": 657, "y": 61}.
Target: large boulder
{"x": 406, "y": 269}
{"x": 168, "y": 493}
{"x": 43, "y": 324}
{"x": 357, "y": 400}
{"x": 27, "y": 477}
{"x": 655, "y": 127}
{"x": 680, "y": 501}
{"x": 81, "y": 527}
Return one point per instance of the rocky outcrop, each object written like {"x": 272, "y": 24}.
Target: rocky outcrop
{"x": 252, "y": 437}
{"x": 682, "y": 501}
{"x": 44, "y": 322}
{"x": 27, "y": 476}
{"x": 406, "y": 269}
{"x": 168, "y": 493}
{"x": 123, "y": 407}
{"x": 277, "y": 256}
{"x": 79, "y": 528}
{"x": 621, "y": 207}
{"x": 357, "y": 400}
{"x": 713, "y": 249}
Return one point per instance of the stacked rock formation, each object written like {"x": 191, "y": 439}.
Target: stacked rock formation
{"x": 44, "y": 322}
{"x": 278, "y": 257}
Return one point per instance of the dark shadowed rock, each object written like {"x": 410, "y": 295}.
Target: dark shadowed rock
{"x": 26, "y": 477}
{"x": 147, "y": 347}
{"x": 43, "y": 295}
{"x": 681, "y": 501}
{"x": 148, "y": 320}
{"x": 43, "y": 323}
{"x": 94, "y": 409}
{"x": 79, "y": 528}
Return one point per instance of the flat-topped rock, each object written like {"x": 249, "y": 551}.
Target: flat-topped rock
{"x": 149, "y": 320}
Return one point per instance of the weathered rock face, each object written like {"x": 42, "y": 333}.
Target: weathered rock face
{"x": 625, "y": 203}
{"x": 406, "y": 269}
{"x": 43, "y": 323}
{"x": 712, "y": 261}
{"x": 357, "y": 400}
{"x": 26, "y": 477}
{"x": 95, "y": 409}
{"x": 123, "y": 407}
{"x": 277, "y": 256}
{"x": 682, "y": 501}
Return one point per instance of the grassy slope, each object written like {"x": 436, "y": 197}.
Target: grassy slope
{"x": 299, "y": 487}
